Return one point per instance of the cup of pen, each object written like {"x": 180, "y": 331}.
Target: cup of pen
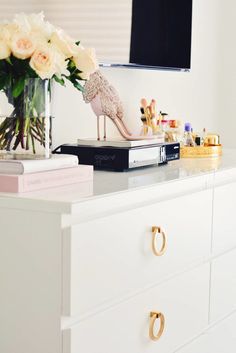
{"x": 148, "y": 117}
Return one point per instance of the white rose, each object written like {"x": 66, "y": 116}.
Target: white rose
{"x": 43, "y": 62}
{"x": 2, "y": 31}
{"x": 11, "y": 29}
{"x": 38, "y": 24}
{"x": 59, "y": 62}
{"x": 63, "y": 43}
{"x": 38, "y": 38}
{"x": 22, "y": 45}
{"x": 7, "y": 31}
{"x": 85, "y": 61}
{"x": 5, "y": 50}
{"x": 34, "y": 23}
{"x": 21, "y": 20}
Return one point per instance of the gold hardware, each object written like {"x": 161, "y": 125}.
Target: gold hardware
{"x": 153, "y": 317}
{"x": 158, "y": 231}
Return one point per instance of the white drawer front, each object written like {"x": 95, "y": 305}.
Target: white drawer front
{"x": 219, "y": 339}
{"x": 224, "y": 220}
{"x": 223, "y": 286}
{"x": 111, "y": 257}
{"x": 125, "y": 328}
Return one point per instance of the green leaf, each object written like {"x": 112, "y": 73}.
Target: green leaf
{"x": 2, "y": 65}
{"x": 78, "y": 85}
{"x": 59, "y": 80}
{"x": 3, "y": 73}
{"x": 21, "y": 68}
{"x": 78, "y": 42}
{"x": 3, "y": 82}
{"x": 9, "y": 61}
{"x": 18, "y": 87}
{"x": 5, "y": 76}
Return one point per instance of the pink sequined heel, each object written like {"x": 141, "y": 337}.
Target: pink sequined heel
{"x": 105, "y": 102}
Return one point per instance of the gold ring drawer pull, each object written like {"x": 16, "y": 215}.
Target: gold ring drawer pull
{"x": 156, "y": 231}
{"x": 153, "y": 317}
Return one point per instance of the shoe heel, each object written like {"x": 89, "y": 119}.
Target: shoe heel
{"x": 105, "y": 128}
{"x": 98, "y": 129}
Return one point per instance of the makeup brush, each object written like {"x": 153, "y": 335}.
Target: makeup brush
{"x": 144, "y": 107}
{"x": 153, "y": 108}
{"x": 148, "y": 115}
{"x": 142, "y": 110}
{"x": 143, "y": 117}
{"x": 143, "y": 103}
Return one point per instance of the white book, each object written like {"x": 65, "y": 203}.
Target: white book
{"x": 121, "y": 143}
{"x": 19, "y": 167}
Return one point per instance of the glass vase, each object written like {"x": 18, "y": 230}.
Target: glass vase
{"x": 26, "y": 125}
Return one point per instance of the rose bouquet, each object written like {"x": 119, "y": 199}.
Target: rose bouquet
{"x": 33, "y": 53}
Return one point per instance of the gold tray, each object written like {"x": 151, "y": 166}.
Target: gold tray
{"x": 201, "y": 151}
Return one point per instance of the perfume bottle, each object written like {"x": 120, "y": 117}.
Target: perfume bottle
{"x": 164, "y": 128}
{"x": 188, "y": 137}
{"x": 174, "y": 131}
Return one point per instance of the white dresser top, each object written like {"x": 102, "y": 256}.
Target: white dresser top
{"x": 112, "y": 183}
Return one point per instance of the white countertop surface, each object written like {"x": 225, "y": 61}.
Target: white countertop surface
{"x": 108, "y": 183}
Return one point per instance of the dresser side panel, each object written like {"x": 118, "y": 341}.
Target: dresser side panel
{"x": 30, "y": 282}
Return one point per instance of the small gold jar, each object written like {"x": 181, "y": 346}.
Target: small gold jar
{"x": 212, "y": 140}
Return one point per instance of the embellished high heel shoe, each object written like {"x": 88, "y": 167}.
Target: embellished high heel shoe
{"x": 105, "y": 102}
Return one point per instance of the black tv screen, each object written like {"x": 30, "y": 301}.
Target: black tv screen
{"x": 161, "y": 33}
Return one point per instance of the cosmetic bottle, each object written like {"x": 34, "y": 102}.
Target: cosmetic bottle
{"x": 174, "y": 131}
{"x": 164, "y": 128}
{"x": 161, "y": 116}
{"x": 198, "y": 140}
{"x": 188, "y": 137}
{"x": 204, "y": 134}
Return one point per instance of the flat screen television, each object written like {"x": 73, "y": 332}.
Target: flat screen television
{"x": 161, "y": 33}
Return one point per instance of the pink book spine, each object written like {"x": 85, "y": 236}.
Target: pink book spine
{"x": 9, "y": 183}
{"x": 44, "y": 180}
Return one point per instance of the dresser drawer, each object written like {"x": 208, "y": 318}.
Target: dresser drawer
{"x": 223, "y": 286}
{"x": 183, "y": 301}
{"x": 220, "y": 338}
{"x": 112, "y": 257}
{"x": 224, "y": 220}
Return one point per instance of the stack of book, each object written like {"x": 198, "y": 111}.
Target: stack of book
{"x": 29, "y": 175}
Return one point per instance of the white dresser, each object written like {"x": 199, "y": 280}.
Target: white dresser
{"x": 137, "y": 262}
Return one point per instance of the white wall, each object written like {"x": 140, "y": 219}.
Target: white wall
{"x": 227, "y": 114}
{"x": 194, "y": 96}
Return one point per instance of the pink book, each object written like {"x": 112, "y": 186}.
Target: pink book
{"x": 44, "y": 180}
